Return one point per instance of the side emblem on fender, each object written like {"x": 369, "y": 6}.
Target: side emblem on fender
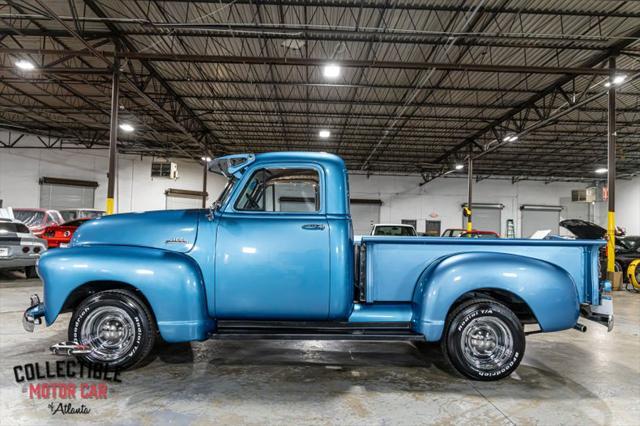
{"x": 176, "y": 240}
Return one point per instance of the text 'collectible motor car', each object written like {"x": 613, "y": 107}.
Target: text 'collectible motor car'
{"x": 275, "y": 257}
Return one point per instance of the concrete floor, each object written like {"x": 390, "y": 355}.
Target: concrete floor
{"x": 565, "y": 378}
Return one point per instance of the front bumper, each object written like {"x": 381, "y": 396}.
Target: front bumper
{"x": 33, "y": 314}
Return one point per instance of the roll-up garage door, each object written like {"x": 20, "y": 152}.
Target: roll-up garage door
{"x": 364, "y": 214}
{"x": 58, "y": 193}
{"x": 537, "y": 218}
{"x": 485, "y": 217}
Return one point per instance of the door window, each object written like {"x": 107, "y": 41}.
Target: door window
{"x": 281, "y": 190}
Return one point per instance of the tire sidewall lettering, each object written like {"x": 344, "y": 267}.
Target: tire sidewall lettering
{"x": 130, "y": 309}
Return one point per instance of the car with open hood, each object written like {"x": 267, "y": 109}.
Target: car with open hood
{"x": 627, "y": 248}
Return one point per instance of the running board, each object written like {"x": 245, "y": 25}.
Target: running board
{"x": 231, "y": 330}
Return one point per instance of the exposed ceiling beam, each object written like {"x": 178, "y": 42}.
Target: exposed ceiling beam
{"x": 533, "y": 100}
{"x": 318, "y": 62}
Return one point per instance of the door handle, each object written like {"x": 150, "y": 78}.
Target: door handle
{"x": 313, "y": 226}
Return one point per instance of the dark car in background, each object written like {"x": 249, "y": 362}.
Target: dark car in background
{"x": 19, "y": 248}
{"x": 627, "y": 247}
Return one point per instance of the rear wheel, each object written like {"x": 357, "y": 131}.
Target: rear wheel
{"x": 483, "y": 340}
{"x": 117, "y": 327}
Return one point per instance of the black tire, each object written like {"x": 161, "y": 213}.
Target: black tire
{"x": 496, "y": 348}
{"x": 134, "y": 332}
{"x": 30, "y": 272}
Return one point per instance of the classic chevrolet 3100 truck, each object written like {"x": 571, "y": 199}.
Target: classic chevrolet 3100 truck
{"x": 275, "y": 257}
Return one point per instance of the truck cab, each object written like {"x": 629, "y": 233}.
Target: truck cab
{"x": 275, "y": 257}
{"x": 292, "y": 213}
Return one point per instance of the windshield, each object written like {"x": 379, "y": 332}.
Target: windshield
{"x": 402, "y": 231}
{"x": 6, "y": 227}
{"x": 478, "y": 235}
{"x": 29, "y": 217}
{"x": 226, "y": 192}
{"x": 630, "y": 243}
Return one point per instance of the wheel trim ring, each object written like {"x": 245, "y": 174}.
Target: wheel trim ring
{"x": 486, "y": 343}
{"x": 93, "y": 333}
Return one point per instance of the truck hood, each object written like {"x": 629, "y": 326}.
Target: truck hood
{"x": 174, "y": 230}
{"x": 583, "y": 229}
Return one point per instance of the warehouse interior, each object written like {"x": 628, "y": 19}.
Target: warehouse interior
{"x": 528, "y": 112}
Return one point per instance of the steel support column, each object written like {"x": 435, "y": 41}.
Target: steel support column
{"x": 468, "y": 212}
{"x": 204, "y": 182}
{"x": 113, "y": 136}
{"x": 611, "y": 169}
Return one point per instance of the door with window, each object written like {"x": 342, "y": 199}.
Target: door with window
{"x": 272, "y": 247}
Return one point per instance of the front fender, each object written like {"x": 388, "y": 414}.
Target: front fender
{"x": 548, "y": 290}
{"x": 171, "y": 282}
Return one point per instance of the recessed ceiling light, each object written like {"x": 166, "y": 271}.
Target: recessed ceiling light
{"x": 617, "y": 80}
{"x": 324, "y": 134}
{"x": 602, "y": 170}
{"x": 459, "y": 166}
{"x": 331, "y": 71}
{"x": 25, "y": 65}
{"x": 126, "y": 127}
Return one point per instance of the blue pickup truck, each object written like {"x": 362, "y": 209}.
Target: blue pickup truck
{"x": 275, "y": 257}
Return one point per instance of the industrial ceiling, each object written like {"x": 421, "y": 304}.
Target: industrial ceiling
{"x": 519, "y": 85}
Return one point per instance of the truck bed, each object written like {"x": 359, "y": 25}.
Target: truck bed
{"x": 390, "y": 266}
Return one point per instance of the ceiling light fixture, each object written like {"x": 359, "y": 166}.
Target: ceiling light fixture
{"x": 617, "y": 80}
{"x": 126, "y": 127}
{"x": 207, "y": 159}
{"x": 602, "y": 170}
{"x": 459, "y": 166}
{"x": 331, "y": 71}
{"x": 511, "y": 138}
{"x": 324, "y": 134}
{"x": 25, "y": 65}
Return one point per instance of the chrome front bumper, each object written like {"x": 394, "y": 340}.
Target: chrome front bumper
{"x": 33, "y": 314}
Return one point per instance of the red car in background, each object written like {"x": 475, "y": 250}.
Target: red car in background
{"x": 60, "y": 235}
{"x": 38, "y": 219}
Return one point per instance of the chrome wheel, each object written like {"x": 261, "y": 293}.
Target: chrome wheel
{"x": 109, "y": 331}
{"x": 486, "y": 343}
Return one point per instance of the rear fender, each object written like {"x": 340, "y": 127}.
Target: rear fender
{"x": 171, "y": 282}
{"x": 547, "y": 289}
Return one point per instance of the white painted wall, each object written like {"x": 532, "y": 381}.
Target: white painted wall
{"x": 402, "y": 198}
{"x": 136, "y": 190}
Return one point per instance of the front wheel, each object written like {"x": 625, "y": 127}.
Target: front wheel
{"x": 117, "y": 327}
{"x": 483, "y": 340}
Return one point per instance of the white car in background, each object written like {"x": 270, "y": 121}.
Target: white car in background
{"x": 19, "y": 248}
{"x": 393, "y": 230}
